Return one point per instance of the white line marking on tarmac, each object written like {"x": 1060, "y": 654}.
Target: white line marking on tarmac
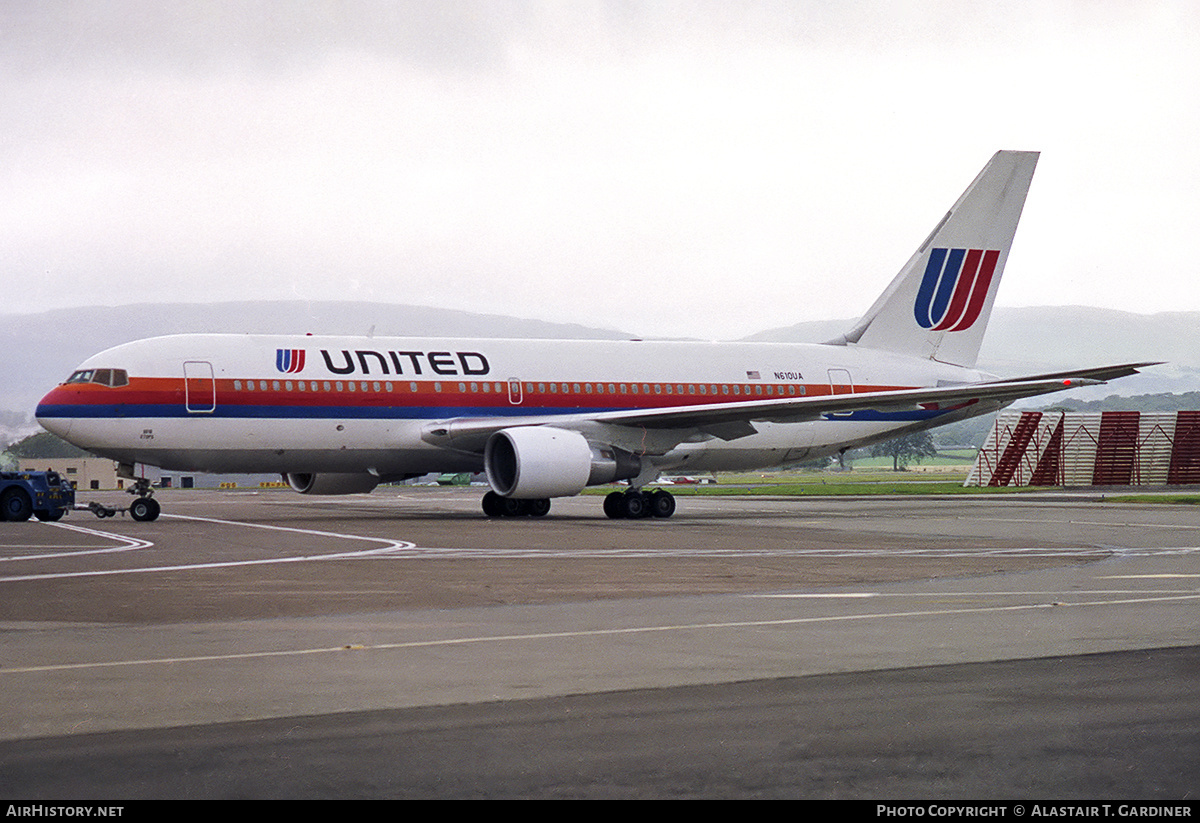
{"x": 389, "y": 546}
{"x": 130, "y": 544}
{"x": 462, "y": 641}
{"x": 1094, "y": 592}
{"x": 1082, "y": 552}
{"x": 814, "y": 595}
{"x": 1112, "y": 523}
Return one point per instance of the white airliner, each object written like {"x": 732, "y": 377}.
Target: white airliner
{"x": 546, "y": 418}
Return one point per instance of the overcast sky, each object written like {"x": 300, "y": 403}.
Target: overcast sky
{"x": 691, "y": 168}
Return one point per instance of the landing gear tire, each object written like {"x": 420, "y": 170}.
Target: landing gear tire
{"x": 662, "y": 503}
{"x": 16, "y": 506}
{"x": 493, "y": 505}
{"x": 144, "y": 509}
{"x": 515, "y": 508}
{"x": 632, "y": 505}
{"x": 496, "y": 506}
{"x": 635, "y": 505}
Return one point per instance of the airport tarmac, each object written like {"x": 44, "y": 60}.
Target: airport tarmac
{"x": 399, "y": 644}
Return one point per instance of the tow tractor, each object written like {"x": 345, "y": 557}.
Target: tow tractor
{"x": 44, "y": 494}
{"x": 47, "y": 496}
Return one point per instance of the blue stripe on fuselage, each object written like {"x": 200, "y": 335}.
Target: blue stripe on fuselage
{"x": 240, "y": 412}
{"x": 874, "y": 416}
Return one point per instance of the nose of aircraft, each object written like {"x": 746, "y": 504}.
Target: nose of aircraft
{"x": 49, "y": 417}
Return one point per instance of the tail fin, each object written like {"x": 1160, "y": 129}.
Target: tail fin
{"x": 938, "y": 306}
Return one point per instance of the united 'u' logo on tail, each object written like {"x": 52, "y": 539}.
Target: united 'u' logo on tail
{"x": 289, "y": 361}
{"x": 954, "y": 288}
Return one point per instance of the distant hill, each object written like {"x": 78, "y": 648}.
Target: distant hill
{"x": 1053, "y": 338}
{"x": 1141, "y": 403}
{"x": 40, "y": 350}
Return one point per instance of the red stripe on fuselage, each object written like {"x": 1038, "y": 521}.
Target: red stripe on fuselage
{"x": 169, "y": 391}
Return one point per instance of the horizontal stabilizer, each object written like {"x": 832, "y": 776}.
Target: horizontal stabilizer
{"x": 1102, "y": 373}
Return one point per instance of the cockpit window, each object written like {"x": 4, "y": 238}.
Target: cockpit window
{"x": 105, "y": 377}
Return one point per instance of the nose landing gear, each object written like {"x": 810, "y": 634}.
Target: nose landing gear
{"x": 145, "y": 508}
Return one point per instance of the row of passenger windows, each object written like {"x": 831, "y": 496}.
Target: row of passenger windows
{"x": 305, "y": 386}
{"x": 702, "y": 389}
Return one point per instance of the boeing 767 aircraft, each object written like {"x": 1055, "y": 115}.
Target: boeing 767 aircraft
{"x": 547, "y": 418}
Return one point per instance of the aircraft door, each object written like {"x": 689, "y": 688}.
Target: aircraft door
{"x": 840, "y": 382}
{"x": 514, "y": 391}
{"x": 199, "y": 387}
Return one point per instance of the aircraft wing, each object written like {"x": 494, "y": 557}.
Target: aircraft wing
{"x": 729, "y": 421}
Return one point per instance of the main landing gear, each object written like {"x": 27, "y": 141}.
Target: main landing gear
{"x": 628, "y": 505}
{"x": 496, "y": 506}
{"x": 634, "y": 504}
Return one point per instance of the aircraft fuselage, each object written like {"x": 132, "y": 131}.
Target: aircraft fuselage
{"x": 242, "y": 403}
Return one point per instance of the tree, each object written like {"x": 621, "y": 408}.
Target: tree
{"x": 906, "y": 449}
{"x": 45, "y": 444}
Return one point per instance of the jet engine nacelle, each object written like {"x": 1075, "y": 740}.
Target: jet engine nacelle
{"x": 306, "y": 483}
{"x": 529, "y": 462}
